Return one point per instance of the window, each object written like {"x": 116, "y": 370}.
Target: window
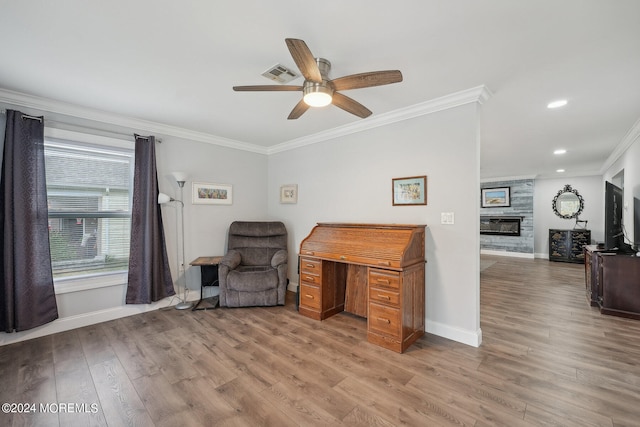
{"x": 89, "y": 188}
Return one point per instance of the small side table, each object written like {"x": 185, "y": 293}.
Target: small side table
{"x": 208, "y": 277}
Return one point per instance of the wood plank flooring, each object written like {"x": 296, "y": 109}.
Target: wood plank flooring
{"x": 547, "y": 358}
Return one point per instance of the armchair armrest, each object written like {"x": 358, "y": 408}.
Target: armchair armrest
{"x": 231, "y": 259}
{"x": 279, "y": 258}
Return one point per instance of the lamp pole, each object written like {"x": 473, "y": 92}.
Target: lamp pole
{"x": 184, "y": 305}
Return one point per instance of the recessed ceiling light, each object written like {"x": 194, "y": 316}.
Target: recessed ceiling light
{"x": 560, "y": 170}
{"x": 557, "y": 104}
{"x": 560, "y": 151}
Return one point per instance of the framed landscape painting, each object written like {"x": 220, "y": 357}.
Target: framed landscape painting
{"x": 409, "y": 191}
{"x": 211, "y": 194}
{"x": 496, "y": 197}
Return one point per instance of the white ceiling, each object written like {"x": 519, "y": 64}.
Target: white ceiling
{"x": 174, "y": 62}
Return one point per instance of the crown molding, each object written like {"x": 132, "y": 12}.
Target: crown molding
{"x": 479, "y": 94}
{"x": 631, "y": 136}
{"x": 140, "y": 125}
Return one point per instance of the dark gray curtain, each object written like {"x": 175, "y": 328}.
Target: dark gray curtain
{"x": 27, "y": 296}
{"x": 149, "y": 274}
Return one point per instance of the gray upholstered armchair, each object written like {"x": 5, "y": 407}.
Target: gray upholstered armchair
{"x": 254, "y": 270}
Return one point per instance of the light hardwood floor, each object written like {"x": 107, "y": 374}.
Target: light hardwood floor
{"x": 547, "y": 358}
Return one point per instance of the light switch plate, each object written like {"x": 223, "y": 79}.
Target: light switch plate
{"x": 447, "y": 218}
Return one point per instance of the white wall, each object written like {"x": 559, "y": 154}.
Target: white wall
{"x": 591, "y": 188}
{"x": 629, "y": 163}
{"x": 206, "y": 226}
{"x": 348, "y": 179}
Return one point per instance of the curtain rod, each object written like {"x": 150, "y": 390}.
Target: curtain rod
{"x": 128, "y": 135}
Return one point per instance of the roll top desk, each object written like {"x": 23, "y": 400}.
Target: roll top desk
{"x": 376, "y": 271}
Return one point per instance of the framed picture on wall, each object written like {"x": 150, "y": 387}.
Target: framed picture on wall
{"x": 289, "y": 193}
{"x": 409, "y": 191}
{"x": 211, "y": 194}
{"x": 496, "y": 197}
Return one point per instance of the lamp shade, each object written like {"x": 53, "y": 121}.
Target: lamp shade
{"x": 163, "y": 198}
{"x": 180, "y": 176}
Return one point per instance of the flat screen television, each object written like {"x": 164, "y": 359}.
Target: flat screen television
{"x": 613, "y": 231}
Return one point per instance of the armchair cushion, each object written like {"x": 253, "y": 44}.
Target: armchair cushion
{"x": 252, "y": 279}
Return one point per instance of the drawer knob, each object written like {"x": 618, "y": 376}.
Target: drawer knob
{"x": 310, "y": 266}
{"x": 309, "y": 296}
{"x": 310, "y": 278}
{"x": 385, "y": 297}
{"x": 385, "y": 281}
{"x": 382, "y": 319}
{"x": 384, "y": 263}
{"x": 343, "y": 257}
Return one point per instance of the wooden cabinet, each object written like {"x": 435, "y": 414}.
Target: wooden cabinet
{"x": 375, "y": 271}
{"x": 612, "y": 282}
{"x": 567, "y": 245}
{"x": 619, "y": 285}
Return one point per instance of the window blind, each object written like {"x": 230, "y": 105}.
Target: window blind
{"x": 89, "y": 191}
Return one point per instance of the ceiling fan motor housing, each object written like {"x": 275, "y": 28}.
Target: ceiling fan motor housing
{"x": 319, "y": 94}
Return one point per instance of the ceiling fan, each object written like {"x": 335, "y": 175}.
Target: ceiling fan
{"x": 318, "y": 90}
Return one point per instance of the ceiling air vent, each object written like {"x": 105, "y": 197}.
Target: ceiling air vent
{"x": 279, "y": 73}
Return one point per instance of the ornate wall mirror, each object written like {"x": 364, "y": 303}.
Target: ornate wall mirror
{"x": 568, "y": 203}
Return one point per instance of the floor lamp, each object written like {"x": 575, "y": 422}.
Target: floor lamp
{"x": 180, "y": 178}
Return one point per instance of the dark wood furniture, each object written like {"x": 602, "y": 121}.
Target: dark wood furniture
{"x": 619, "y": 285}
{"x": 612, "y": 282}
{"x": 375, "y": 271}
{"x": 566, "y": 245}
{"x": 591, "y": 271}
{"x": 208, "y": 277}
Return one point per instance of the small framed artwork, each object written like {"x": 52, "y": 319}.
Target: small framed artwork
{"x": 409, "y": 191}
{"x": 211, "y": 194}
{"x": 289, "y": 193}
{"x": 496, "y": 197}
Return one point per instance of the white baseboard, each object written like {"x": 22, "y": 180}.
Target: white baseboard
{"x": 505, "y": 253}
{"x": 464, "y": 336}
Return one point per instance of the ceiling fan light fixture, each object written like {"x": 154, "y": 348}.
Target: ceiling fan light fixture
{"x": 317, "y": 95}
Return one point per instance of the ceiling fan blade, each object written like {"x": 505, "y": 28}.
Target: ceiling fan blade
{"x": 350, "y": 105}
{"x": 298, "y": 110}
{"x": 304, "y": 59}
{"x": 267, "y": 88}
{"x": 373, "y": 78}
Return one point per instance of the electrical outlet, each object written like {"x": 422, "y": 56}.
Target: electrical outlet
{"x": 447, "y": 218}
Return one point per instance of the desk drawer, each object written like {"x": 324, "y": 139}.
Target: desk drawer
{"x": 310, "y": 266}
{"x": 384, "y": 296}
{"x": 389, "y": 279}
{"x": 310, "y": 296}
{"x": 310, "y": 278}
{"x": 384, "y": 320}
